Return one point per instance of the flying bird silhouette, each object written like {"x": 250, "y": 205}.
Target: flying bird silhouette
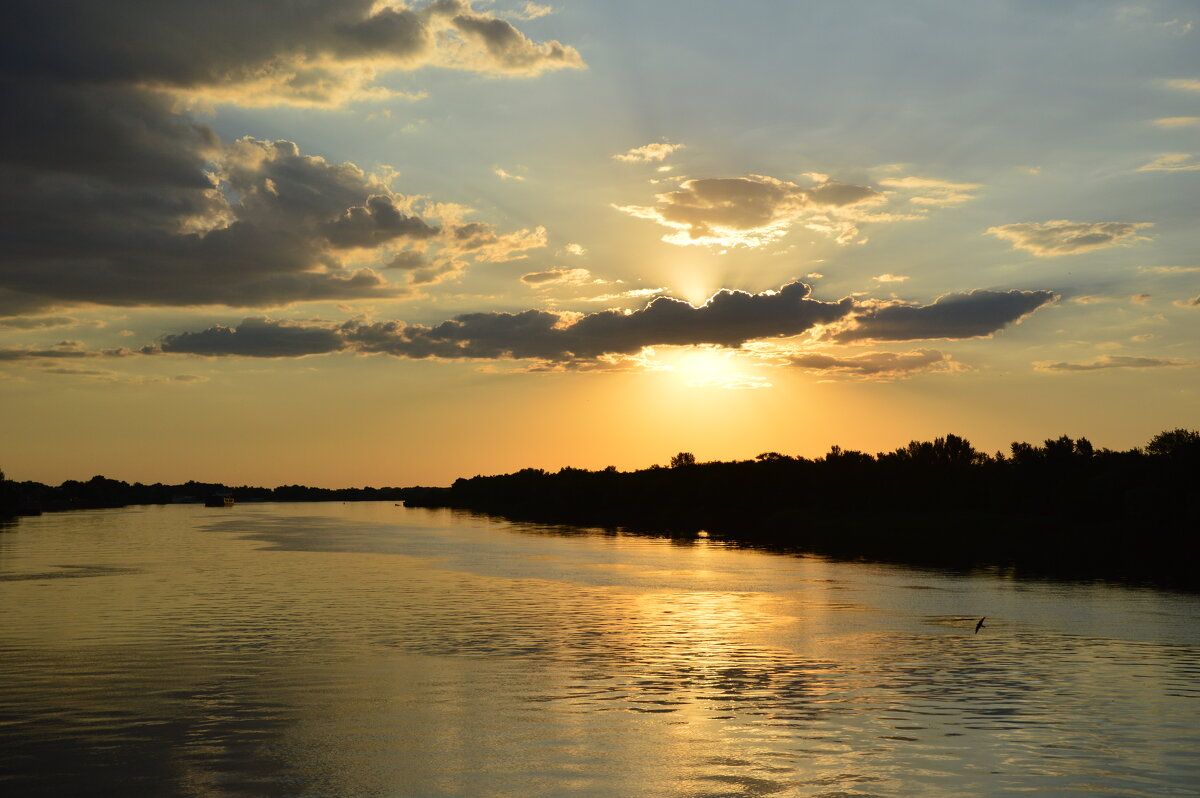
{"x": 979, "y": 625}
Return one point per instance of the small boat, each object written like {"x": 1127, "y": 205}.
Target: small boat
{"x": 219, "y": 501}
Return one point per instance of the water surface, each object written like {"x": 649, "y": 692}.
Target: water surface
{"x": 373, "y": 650}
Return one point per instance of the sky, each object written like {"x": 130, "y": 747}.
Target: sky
{"x": 347, "y": 242}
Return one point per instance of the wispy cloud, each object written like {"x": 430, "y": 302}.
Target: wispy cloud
{"x": 558, "y": 277}
{"x": 1178, "y": 121}
{"x": 504, "y": 174}
{"x": 1184, "y": 84}
{"x": 933, "y": 192}
{"x": 531, "y": 11}
{"x": 1117, "y": 362}
{"x": 1169, "y": 269}
{"x": 648, "y": 153}
{"x": 1172, "y": 162}
{"x": 873, "y": 365}
{"x": 1062, "y": 237}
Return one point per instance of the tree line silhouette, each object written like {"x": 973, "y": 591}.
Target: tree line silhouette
{"x": 32, "y": 498}
{"x": 1063, "y": 506}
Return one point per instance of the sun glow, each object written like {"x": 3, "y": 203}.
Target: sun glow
{"x": 709, "y": 367}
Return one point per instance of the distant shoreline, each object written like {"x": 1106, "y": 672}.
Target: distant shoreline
{"x": 34, "y": 498}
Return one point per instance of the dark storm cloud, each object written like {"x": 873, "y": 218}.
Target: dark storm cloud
{"x": 973, "y": 314}
{"x": 729, "y": 318}
{"x": 113, "y": 195}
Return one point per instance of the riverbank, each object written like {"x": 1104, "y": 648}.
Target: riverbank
{"x": 1058, "y": 509}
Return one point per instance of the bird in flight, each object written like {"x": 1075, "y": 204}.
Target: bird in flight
{"x": 979, "y": 625}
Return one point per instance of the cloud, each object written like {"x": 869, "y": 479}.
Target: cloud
{"x": 268, "y": 225}
{"x": 486, "y": 43}
{"x": 1169, "y": 269}
{"x": 575, "y": 249}
{"x": 1178, "y": 121}
{"x": 632, "y": 293}
{"x": 890, "y": 278}
{"x": 728, "y": 318}
{"x": 756, "y": 210}
{"x": 1117, "y": 362}
{"x": 257, "y": 337}
{"x": 973, "y": 314}
{"x": 115, "y": 195}
{"x": 557, "y": 277}
{"x": 531, "y": 11}
{"x": 1140, "y": 299}
{"x": 63, "y": 349}
{"x": 1172, "y": 162}
{"x": 1185, "y": 84}
{"x": 874, "y": 365}
{"x": 933, "y": 192}
{"x": 44, "y": 322}
{"x": 484, "y": 243}
{"x": 1062, "y": 237}
{"x": 99, "y": 374}
{"x": 374, "y": 223}
{"x": 269, "y": 52}
{"x": 505, "y": 175}
{"x": 654, "y": 151}
{"x": 1188, "y": 303}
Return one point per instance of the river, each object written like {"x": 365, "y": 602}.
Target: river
{"x": 373, "y": 650}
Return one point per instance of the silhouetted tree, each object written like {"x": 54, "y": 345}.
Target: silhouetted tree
{"x": 1181, "y": 443}
{"x": 948, "y": 451}
{"x": 683, "y": 459}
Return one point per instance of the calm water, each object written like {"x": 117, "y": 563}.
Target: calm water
{"x": 372, "y": 650}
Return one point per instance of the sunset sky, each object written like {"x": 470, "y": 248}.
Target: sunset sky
{"x": 346, "y": 242}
